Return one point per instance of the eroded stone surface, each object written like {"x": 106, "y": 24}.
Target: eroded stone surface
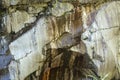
{"x": 36, "y": 8}
{"x": 17, "y": 20}
{"x": 7, "y": 3}
{"x": 50, "y": 35}
{"x": 102, "y": 39}
{"x": 60, "y": 9}
{"x": 29, "y": 58}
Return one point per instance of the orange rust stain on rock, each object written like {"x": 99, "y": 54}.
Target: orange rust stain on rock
{"x": 71, "y": 21}
{"x": 46, "y": 74}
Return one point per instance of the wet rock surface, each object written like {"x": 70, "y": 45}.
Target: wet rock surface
{"x": 69, "y": 65}
{"x": 59, "y": 40}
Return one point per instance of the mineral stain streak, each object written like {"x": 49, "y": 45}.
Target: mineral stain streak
{"x": 59, "y": 40}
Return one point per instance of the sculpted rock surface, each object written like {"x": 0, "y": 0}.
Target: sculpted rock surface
{"x": 28, "y": 58}
{"x": 59, "y": 39}
{"x": 102, "y": 38}
{"x": 17, "y": 20}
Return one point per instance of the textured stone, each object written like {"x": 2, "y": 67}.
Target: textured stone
{"x": 4, "y": 42}
{"x": 56, "y": 61}
{"x": 80, "y": 1}
{"x": 55, "y": 40}
{"x": 16, "y": 20}
{"x": 101, "y": 39}
{"x": 7, "y": 3}
{"x": 36, "y": 8}
{"x": 70, "y": 65}
{"x": 14, "y": 2}
{"x": 60, "y": 9}
{"x": 13, "y": 69}
{"x": 4, "y": 61}
{"x": 29, "y": 64}
{"x": 27, "y": 50}
{"x": 81, "y": 48}
{"x": 88, "y": 1}
{"x": 17, "y": 48}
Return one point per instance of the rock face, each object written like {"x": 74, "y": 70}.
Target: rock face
{"x": 7, "y": 3}
{"x": 17, "y": 20}
{"x": 28, "y": 58}
{"x": 59, "y": 40}
{"x": 62, "y": 8}
{"x": 103, "y": 38}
